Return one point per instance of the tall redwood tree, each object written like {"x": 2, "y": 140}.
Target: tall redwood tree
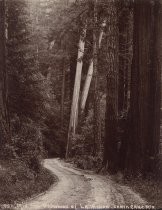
{"x": 145, "y": 87}
{"x": 4, "y": 121}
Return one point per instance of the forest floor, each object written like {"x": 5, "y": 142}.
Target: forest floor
{"x": 150, "y": 189}
{"x": 18, "y": 182}
{"x": 82, "y": 189}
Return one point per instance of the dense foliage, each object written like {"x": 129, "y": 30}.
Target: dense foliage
{"x": 81, "y": 80}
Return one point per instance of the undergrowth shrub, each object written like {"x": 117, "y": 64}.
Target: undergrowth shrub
{"x": 18, "y": 182}
{"x": 28, "y": 143}
{"x": 87, "y": 162}
{"x": 82, "y": 146}
{"x": 83, "y": 142}
{"x": 54, "y": 138}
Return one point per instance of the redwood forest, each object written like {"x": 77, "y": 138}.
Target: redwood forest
{"x": 80, "y": 104}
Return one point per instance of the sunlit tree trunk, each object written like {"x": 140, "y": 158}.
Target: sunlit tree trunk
{"x": 76, "y": 90}
{"x": 87, "y": 85}
{"x": 90, "y": 72}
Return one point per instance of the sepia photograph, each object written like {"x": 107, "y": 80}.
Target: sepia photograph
{"x": 80, "y": 104}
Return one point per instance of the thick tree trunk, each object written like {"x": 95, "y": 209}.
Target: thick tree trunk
{"x": 90, "y": 72}
{"x": 110, "y": 144}
{"x": 4, "y": 118}
{"x": 125, "y": 55}
{"x": 86, "y": 86}
{"x": 76, "y": 91}
{"x": 125, "y": 61}
{"x": 73, "y": 63}
{"x": 155, "y": 88}
{"x": 97, "y": 118}
{"x": 145, "y": 88}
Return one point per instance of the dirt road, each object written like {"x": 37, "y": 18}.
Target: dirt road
{"x": 80, "y": 188}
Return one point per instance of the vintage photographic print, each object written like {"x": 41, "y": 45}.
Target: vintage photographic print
{"x": 80, "y": 104}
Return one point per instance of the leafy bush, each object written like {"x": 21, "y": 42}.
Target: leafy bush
{"x": 82, "y": 148}
{"x": 18, "y": 182}
{"x": 54, "y": 138}
{"x": 28, "y": 143}
{"x": 88, "y": 162}
{"x": 83, "y": 143}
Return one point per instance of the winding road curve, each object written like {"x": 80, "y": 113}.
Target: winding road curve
{"x": 79, "y": 187}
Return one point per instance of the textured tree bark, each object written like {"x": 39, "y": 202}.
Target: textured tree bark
{"x": 87, "y": 86}
{"x": 125, "y": 61}
{"x": 112, "y": 36}
{"x": 145, "y": 88}
{"x": 4, "y": 118}
{"x": 125, "y": 55}
{"x": 97, "y": 118}
{"x": 62, "y": 93}
{"x": 76, "y": 91}
{"x": 155, "y": 88}
{"x": 90, "y": 72}
{"x": 73, "y": 63}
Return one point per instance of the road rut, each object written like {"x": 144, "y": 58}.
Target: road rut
{"x": 76, "y": 188}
